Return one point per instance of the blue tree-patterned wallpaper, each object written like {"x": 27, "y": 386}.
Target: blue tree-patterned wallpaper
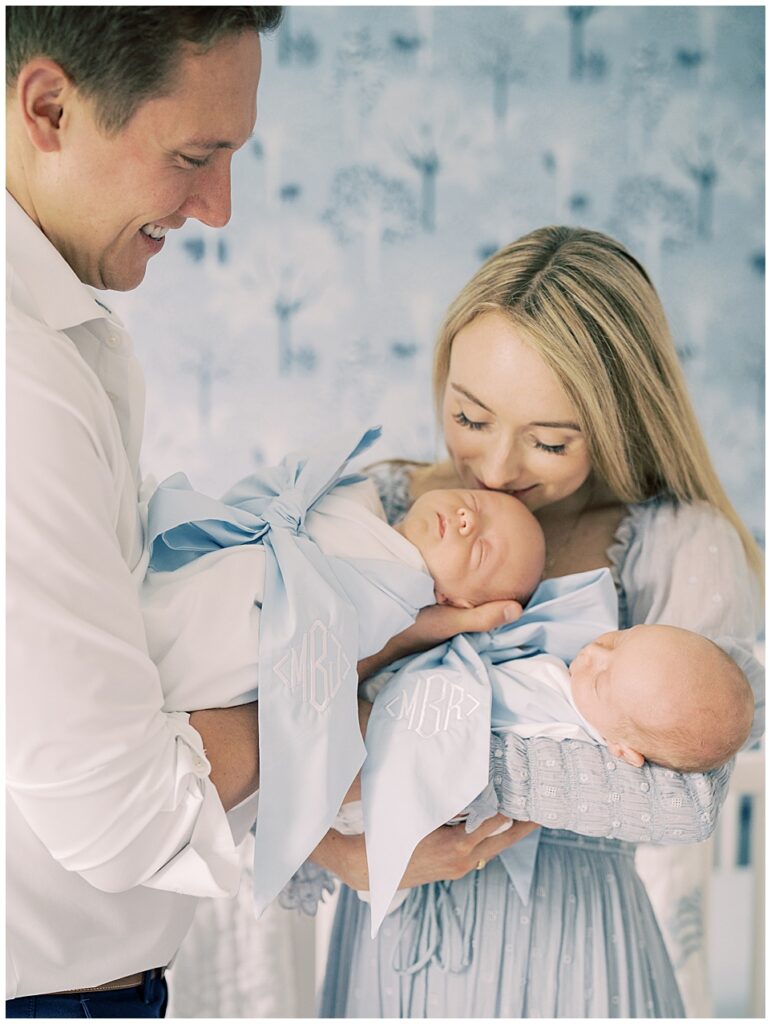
{"x": 395, "y": 149}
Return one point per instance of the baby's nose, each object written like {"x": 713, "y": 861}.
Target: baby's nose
{"x": 466, "y": 521}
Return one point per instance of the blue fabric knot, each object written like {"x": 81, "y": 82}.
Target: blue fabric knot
{"x": 287, "y": 509}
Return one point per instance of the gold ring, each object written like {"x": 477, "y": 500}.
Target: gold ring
{"x": 481, "y": 864}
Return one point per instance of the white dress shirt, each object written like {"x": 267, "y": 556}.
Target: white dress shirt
{"x": 113, "y": 827}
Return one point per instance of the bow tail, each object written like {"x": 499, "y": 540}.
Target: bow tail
{"x": 310, "y": 742}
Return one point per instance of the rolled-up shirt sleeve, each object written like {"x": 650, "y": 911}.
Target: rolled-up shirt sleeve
{"x": 115, "y": 789}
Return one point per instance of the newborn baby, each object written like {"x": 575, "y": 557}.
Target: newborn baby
{"x": 651, "y": 692}
{"x": 278, "y": 589}
{"x": 202, "y": 620}
{"x": 663, "y": 694}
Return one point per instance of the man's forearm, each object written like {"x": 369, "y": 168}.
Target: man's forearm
{"x": 231, "y": 741}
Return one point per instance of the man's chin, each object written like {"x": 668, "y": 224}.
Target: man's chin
{"x": 123, "y": 279}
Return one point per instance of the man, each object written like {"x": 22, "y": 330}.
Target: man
{"x": 121, "y": 125}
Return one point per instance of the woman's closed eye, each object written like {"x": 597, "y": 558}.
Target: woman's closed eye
{"x": 555, "y": 449}
{"x": 462, "y": 420}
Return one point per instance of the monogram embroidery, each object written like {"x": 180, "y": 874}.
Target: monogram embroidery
{"x": 316, "y": 667}
{"x": 430, "y": 704}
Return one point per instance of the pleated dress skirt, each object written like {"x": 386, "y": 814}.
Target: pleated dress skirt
{"x": 587, "y": 944}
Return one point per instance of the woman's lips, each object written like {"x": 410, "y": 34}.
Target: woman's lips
{"x": 516, "y": 494}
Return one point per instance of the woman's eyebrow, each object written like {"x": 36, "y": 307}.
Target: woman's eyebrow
{"x": 559, "y": 425}
{"x": 471, "y": 398}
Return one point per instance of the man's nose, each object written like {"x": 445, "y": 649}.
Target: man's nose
{"x": 210, "y": 203}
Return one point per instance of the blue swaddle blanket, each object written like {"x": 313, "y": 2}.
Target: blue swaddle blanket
{"x": 320, "y": 615}
{"x": 428, "y": 737}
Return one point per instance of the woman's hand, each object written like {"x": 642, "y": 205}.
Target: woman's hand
{"x": 437, "y": 623}
{"x": 445, "y": 854}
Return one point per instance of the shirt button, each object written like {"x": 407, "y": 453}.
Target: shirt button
{"x": 610, "y": 765}
{"x": 550, "y": 763}
{"x": 497, "y": 779}
{"x": 644, "y": 787}
{"x": 523, "y": 774}
{"x": 499, "y": 753}
{"x": 616, "y": 824}
{"x": 113, "y": 340}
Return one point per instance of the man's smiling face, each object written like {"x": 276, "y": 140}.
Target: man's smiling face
{"x": 109, "y": 199}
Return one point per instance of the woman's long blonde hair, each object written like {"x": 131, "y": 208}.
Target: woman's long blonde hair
{"x": 590, "y": 311}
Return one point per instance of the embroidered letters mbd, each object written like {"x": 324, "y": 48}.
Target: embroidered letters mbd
{"x": 317, "y": 666}
{"x": 430, "y": 703}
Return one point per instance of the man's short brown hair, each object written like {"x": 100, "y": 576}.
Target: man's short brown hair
{"x": 121, "y": 56}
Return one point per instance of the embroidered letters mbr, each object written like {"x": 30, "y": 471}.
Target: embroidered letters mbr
{"x": 317, "y": 666}
{"x": 430, "y": 703}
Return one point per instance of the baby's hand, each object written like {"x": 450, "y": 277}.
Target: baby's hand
{"x": 438, "y": 623}
{"x": 481, "y": 619}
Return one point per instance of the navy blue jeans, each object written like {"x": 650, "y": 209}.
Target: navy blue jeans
{"x": 146, "y": 1000}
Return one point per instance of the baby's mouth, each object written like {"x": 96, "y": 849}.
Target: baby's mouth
{"x": 442, "y": 524}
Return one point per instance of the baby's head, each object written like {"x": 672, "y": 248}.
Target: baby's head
{"x": 478, "y": 545}
{"x": 663, "y": 694}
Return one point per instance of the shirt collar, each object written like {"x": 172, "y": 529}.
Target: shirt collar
{"x": 60, "y": 297}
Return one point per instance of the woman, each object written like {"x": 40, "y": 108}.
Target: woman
{"x": 557, "y": 381}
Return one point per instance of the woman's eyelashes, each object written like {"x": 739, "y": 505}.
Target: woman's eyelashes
{"x": 555, "y": 449}
{"x": 462, "y": 420}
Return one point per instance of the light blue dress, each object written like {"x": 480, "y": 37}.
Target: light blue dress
{"x": 587, "y": 944}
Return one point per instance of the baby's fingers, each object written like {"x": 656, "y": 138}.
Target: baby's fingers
{"x": 488, "y": 616}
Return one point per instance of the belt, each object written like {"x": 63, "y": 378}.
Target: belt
{"x": 130, "y": 981}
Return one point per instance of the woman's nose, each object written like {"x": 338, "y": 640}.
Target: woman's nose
{"x": 500, "y": 469}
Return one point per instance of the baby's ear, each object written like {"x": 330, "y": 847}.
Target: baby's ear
{"x": 625, "y": 753}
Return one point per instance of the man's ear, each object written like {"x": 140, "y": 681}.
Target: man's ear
{"x": 41, "y": 89}
{"x": 625, "y": 753}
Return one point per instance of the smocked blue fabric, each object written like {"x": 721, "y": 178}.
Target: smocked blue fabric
{"x": 320, "y": 615}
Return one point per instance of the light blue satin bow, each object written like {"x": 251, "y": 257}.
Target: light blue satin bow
{"x": 320, "y": 615}
{"x": 428, "y": 737}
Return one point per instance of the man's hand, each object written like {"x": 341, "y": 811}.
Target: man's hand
{"x": 447, "y": 853}
{"x": 437, "y": 623}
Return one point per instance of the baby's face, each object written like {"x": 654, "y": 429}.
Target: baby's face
{"x": 599, "y": 681}
{"x": 475, "y": 543}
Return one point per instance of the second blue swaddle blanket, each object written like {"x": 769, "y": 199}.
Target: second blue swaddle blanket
{"x": 320, "y": 615}
{"x": 428, "y": 738}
